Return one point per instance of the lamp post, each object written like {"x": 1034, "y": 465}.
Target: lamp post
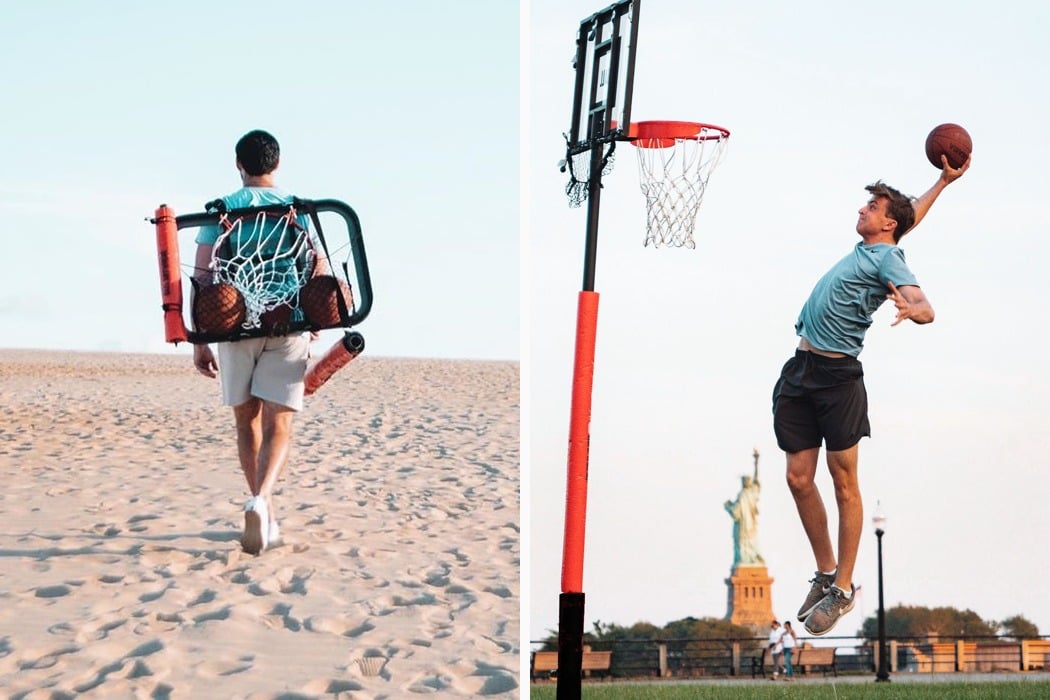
{"x": 883, "y": 673}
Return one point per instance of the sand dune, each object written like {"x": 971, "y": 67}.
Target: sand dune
{"x": 121, "y": 573}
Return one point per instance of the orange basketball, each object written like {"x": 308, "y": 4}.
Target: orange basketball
{"x": 276, "y": 320}
{"x": 319, "y": 302}
{"x": 218, "y": 308}
{"x": 949, "y": 140}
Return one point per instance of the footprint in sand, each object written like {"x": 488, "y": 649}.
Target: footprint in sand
{"x": 222, "y": 613}
{"x": 47, "y": 660}
{"x": 359, "y": 630}
{"x": 57, "y": 591}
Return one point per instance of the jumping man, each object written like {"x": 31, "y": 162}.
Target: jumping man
{"x": 820, "y": 396}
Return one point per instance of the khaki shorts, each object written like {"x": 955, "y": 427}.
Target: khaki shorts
{"x": 271, "y": 369}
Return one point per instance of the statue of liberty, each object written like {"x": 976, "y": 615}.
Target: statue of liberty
{"x": 744, "y": 511}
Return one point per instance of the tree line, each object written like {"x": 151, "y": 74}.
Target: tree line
{"x": 901, "y": 621}
{"x": 920, "y": 621}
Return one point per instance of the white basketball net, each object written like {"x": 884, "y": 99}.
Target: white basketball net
{"x": 268, "y": 260}
{"x": 673, "y": 180}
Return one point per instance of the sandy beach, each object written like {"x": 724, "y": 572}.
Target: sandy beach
{"x": 121, "y": 573}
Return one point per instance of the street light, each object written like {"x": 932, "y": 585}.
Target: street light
{"x": 883, "y": 673}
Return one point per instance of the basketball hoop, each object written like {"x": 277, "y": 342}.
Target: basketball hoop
{"x": 675, "y": 161}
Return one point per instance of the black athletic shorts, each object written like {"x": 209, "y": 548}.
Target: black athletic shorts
{"x": 820, "y": 399}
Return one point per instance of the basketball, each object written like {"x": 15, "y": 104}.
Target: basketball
{"x": 277, "y": 321}
{"x": 319, "y": 302}
{"x": 218, "y": 308}
{"x": 951, "y": 140}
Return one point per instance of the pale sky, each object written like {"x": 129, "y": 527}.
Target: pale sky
{"x": 115, "y": 107}
{"x": 822, "y": 99}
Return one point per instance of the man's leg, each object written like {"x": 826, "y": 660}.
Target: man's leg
{"x": 841, "y": 597}
{"x": 801, "y": 470}
{"x": 273, "y": 452}
{"x": 843, "y": 467}
{"x": 248, "y": 417}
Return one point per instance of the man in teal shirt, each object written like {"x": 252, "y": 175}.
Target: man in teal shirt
{"x": 820, "y": 396}
{"x": 262, "y": 378}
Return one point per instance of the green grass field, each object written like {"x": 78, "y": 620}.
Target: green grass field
{"x": 976, "y": 690}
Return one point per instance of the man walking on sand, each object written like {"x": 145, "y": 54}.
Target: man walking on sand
{"x": 820, "y": 396}
{"x": 262, "y": 378}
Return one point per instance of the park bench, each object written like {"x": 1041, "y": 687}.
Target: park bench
{"x": 805, "y": 658}
{"x": 759, "y": 661}
{"x": 802, "y": 659}
{"x": 545, "y": 663}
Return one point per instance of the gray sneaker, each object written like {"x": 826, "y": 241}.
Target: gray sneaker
{"x": 828, "y": 611}
{"x": 819, "y": 589}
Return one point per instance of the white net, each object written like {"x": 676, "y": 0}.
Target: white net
{"x": 579, "y": 166}
{"x": 268, "y": 259}
{"x": 674, "y": 175}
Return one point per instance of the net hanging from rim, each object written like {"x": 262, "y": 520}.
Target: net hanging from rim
{"x": 579, "y": 167}
{"x": 675, "y": 161}
{"x": 268, "y": 260}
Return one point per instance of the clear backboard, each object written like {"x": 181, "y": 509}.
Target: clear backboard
{"x": 604, "y": 66}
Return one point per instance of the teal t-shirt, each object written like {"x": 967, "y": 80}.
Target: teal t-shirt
{"x": 244, "y": 197}
{"x": 839, "y": 309}
{"x": 275, "y": 250}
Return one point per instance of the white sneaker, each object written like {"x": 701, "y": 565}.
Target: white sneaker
{"x": 273, "y": 534}
{"x": 254, "y": 539}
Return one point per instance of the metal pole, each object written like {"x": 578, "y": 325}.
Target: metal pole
{"x": 594, "y": 193}
{"x": 571, "y": 602}
{"x": 883, "y": 674}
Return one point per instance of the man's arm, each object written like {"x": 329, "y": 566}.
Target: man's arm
{"x": 948, "y": 176}
{"x": 201, "y": 263}
{"x": 203, "y": 359}
{"x": 911, "y": 303}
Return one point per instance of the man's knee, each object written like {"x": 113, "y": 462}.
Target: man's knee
{"x": 244, "y": 414}
{"x": 276, "y": 417}
{"x": 801, "y": 469}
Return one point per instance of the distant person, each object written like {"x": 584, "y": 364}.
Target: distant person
{"x": 820, "y": 396}
{"x": 262, "y": 378}
{"x": 776, "y": 647}
{"x": 789, "y": 640}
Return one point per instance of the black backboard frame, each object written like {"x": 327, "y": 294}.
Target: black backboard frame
{"x": 604, "y": 64}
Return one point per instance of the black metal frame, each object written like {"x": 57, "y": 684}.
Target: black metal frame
{"x": 599, "y": 112}
{"x": 312, "y": 208}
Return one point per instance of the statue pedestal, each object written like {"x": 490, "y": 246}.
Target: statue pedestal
{"x": 750, "y": 597}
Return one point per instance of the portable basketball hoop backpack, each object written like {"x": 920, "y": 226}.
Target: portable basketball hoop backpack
{"x": 675, "y": 160}
{"x": 272, "y": 272}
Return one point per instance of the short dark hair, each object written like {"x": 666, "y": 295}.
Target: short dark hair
{"x": 898, "y": 207}
{"x": 258, "y": 152}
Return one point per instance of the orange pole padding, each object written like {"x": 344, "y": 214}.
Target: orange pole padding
{"x": 170, "y": 281}
{"x": 337, "y": 357}
{"x": 579, "y": 444}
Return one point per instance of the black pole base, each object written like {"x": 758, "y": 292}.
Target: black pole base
{"x": 570, "y": 645}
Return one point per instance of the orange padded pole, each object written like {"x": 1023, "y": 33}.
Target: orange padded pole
{"x": 170, "y": 282}
{"x": 337, "y": 357}
{"x": 579, "y": 444}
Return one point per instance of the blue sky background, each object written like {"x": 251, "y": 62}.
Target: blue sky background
{"x": 822, "y": 98}
{"x": 113, "y": 108}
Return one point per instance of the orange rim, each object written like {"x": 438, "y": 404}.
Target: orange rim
{"x": 664, "y": 134}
